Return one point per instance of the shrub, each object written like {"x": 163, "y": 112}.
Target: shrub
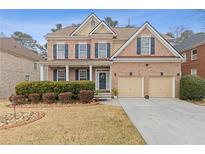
{"x": 86, "y": 96}
{"x": 49, "y": 97}
{"x": 57, "y": 87}
{"x": 192, "y": 88}
{"x": 114, "y": 91}
{"x": 18, "y": 99}
{"x": 64, "y": 97}
{"x": 34, "y": 98}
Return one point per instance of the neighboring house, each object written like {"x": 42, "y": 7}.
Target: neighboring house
{"x": 17, "y": 64}
{"x": 137, "y": 62}
{"x": 193, "y": 50}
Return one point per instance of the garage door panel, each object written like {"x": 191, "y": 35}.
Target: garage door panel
{"x": 160, "y": 86}
{"x": 130, "y": 86}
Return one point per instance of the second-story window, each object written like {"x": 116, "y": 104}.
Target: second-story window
{"x": 60, "y": 51}
{"x": 82, "y": 51}
{"x": 194, "y": 54}
{"x": 102, "y": 50}
{"x": 145, "y": 45}
{"x": 185, "y": 57}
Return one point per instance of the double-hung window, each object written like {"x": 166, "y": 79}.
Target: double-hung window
{"x": 102, "y": 50}
{"x": 185, "y": 57}
{"x": 60, "y": 74}
{"x": 193, "y": 71}
{"x": 82, "y": 51}
{"x": 145, "y": 45}
{"x": 194, "y": 54}
{"x": 83, "y": 74}
{"x": 60, "y": 51}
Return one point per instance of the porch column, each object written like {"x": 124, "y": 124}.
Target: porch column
{"x": 90, "y": 71}
{"x": 67, "y": 72}
{"x": 110, "y": 79}
{"x": 41, "y": 72}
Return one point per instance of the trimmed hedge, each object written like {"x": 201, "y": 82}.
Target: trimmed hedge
{"x": 57, "y": 87}
{"x": 192, "y": 88}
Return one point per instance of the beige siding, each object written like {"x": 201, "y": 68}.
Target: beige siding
{"x": 13, "y": 70}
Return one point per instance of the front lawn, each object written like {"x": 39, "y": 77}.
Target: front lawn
{"x": 97, "y": 124}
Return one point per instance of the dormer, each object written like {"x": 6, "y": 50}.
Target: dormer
{"x": 86, "y": 26}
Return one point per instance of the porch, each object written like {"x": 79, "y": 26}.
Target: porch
{"x": 72, "y": 70}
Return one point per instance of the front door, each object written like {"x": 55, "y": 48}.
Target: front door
{"x": 102, "y": 80}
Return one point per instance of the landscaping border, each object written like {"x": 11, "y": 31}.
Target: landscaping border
{"x": 51, "y": 105}
{"x": 40, "y": 115}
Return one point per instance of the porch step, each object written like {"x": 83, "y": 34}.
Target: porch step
{"x": 104, "y": 96}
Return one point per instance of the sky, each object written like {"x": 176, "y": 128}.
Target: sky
{"x": 38, "y": 23}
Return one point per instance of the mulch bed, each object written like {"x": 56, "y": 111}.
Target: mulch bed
{"x": 44, "y": 105}
{"x": 21, "y": 118}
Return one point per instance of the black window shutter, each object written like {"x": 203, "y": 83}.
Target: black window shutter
{"x": 76, "y": 75}
{"x": 76, "y": 50}
{"x": 96, "y": 50}
{"x": 152, "y": 46}
{"x": 54, "y": 75}
{"x": 108, "y": 50}
{"x": 66, "y": 50}
{"x": 54, "y": 51}
{"x": 88, "y": 75}
{"x": 138, "y": 46}
{"x": 88, "y": 51}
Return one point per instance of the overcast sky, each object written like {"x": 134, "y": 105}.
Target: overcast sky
{"x": 37, "y": 23}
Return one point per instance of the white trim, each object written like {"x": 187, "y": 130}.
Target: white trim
{"x": 102, "y": 23}
{"x": 149, "y": 45}
{"x": 84, "y": 22}
{"x": 82, "y": 70}
{"x": 79, "y": 50}
{"x": 110, "y": 75}
{"x": 41, "y": 72}
{"x": 91, "y": 72}
{"x": 147, "y": 60}
{"x": 97, "y": 71}
{"x": 155, "y": 33}
{"x": 192, "y": 58}
{"x": 105, "y": 50}
{"x": 142, "y": 86}
{"x": 57, "y": 73}
{"x": 57, "y": 51}
{"x": 67, "y": 72}
{"x": 173, "y": 87}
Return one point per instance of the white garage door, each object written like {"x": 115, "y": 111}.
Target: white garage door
{"x": 161, "y": 86}
{"x": 130, "y": 86}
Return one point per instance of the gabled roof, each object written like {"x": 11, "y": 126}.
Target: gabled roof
{"x": 155, "y": 33}
{"x": 191, "y": 42}
{"x": 84, "y": 22}
{"x": 102, "y": 23}
{"x": 10, "y": 45}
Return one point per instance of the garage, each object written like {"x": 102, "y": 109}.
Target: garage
{"x": 130, "y": 86}
{"x": 161, "y": 87}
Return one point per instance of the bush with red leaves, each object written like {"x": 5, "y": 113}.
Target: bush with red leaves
{"x": 48, "y": 98}
{"x": 65, "y": 97}
{"x": 86, "y": 96}
{"x": 34, "y": 97}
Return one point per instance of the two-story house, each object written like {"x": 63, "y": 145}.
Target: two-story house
{"x": 136, "y": 61}
{"x": 193, "y": 50}
{"x": 17, "y": 64}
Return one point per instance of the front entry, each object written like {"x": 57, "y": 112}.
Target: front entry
{"x": 102, "y": 80}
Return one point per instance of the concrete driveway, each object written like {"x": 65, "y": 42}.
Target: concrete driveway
{"x": 166, "y": 121}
